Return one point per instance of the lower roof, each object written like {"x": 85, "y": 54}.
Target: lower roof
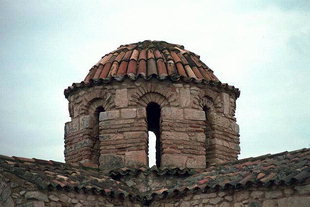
{"x": 286, "y": 168}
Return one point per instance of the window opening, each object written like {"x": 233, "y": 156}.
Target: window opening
{"x": 96, "y": 147}
{"x": 153, "y": 125}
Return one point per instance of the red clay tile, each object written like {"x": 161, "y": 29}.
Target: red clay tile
{"x": 122, "y": 68}
{"x": 197, "y": 72}
{"x": 132, "y": 67}
{"x": 127, "y": 55}
{"x": 190, "y": 72}
{"x": 158, "y": 54}
{"x": 142, "y": 55}
{"x": 181, "y": 70}
{"x": 183, "y": 59}
{"x": 105, "y": 58}
{"x": 113, "y": 70}
{"x": 98, "y": 72}
{"x": 151, "y": 67}
{"x": 150, "y": 54}
{"x": 149, "y": 58}
{"x": 175, "y": 57}
{"x": 135, "y": 55}
{"x": 142, "y": 67}
{"x": 105, "y": 70}
{"x": 120, "y": 56}
{"x": 162, "y": 70}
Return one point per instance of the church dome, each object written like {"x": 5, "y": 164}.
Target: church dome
{"x": 151, "y": 59}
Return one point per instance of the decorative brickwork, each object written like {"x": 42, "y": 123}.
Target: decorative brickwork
{"x": 187, "y": 138}
{"x": 196, "y": 128}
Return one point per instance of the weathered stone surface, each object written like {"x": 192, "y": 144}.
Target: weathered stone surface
{"x": 85, "y": 122}
{"x": 172, "y": 113}
{"x": 128, "y": 113}
{"x": 136, "y": 158}
{"x": 36, "y": 195}
{"x": 107, "y": 115}
{"x": 257, "y": 194}
{"x": 294, "y": 202}
{"x": 109, "y": 161}
{"x": 304, "y": 189}
{"x": 174, "y": 135}
{"x": 226, "y": 103}
{"x": 273, "y": 194}
{"x": 196, "y": 162}
{"x": 173, "y": 160}
{"x": 270, "y": 203}
{"x": 185, "y": 97}
{"x": 53, "y": 198}
{"x": 121, "y": 97}
{"x": 241, "y": 195}
{"x": 194, "y": 114}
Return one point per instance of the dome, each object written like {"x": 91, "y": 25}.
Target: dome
{"x": 151, "y": 59}
{"x": 147, "y": 60}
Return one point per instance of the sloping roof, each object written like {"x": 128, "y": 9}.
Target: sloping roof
{"x": 285, "y": 168}
{"x": 147, "y": 60}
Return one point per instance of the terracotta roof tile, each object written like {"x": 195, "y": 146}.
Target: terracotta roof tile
{"x": 175, "y": 64}
{"x": 286, "y": 168}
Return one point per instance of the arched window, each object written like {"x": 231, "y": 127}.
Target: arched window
{"x": 207, "y": 129}
{"x": 96, "y": 147}
{"x": 153, "y": 125}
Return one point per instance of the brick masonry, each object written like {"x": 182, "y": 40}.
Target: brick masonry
{"x": 188, "y": 137}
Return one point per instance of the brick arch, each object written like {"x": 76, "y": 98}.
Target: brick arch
{"x": 206, "y": 102}
{"x": 147, "y": 98}
{"x": 92, "y": 101}
{"x": 148, "y": 93}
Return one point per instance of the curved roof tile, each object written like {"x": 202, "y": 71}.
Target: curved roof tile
{"x": 151, "y": 59}
{"x": 159, "y": 56}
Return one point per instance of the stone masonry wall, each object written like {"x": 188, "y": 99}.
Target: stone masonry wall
{"x": 188, "y": 137}
{"x": 276, "y": 196}
{"x": 18, "y": 192}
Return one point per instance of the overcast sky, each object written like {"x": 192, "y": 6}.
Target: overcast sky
{"x": 262, "y": 47}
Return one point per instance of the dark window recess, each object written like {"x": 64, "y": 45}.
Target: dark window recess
{"x": 153, "y": 124}
{"x": 96, "y": 147}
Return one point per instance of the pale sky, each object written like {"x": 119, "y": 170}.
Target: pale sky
{"x": 262, "y": 47}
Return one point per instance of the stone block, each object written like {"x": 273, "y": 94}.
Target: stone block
{"x": 294, "y": 202}
{"x": 305, "y": 189}
{"x": 257, "y": 194}
{"x": 136, "y": 159}
{"x": 135, "y": 135}
{"x": 110, "y": 161}
{"x": 171, "y": 113}
{"x": 71, "y": 126}
{"x": 36, "y": 195}
{"x": 241, "y": 195}
{"x": 173, "y": 160}
{"x": 128, "y": 113}
{"x": 85, "y": 122}
{"x": 194, "y": 114}
{"x": 121, "y": 98}
{"x": 196, "y": 162}
{"x": 185, "y": 97}
{"x": 108, "y": 115}
{"x": 165, "y": 135}
{"x": 273, "y": 194}
{"x": 226, "y": 103}
{"x": 271, "y": 203}
{"x": 141, "y": 112}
